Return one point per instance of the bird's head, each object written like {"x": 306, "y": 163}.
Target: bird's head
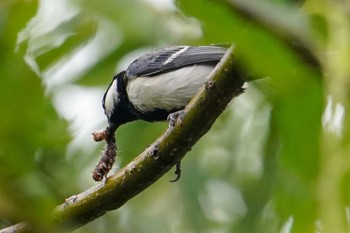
{"x": 116, "y": 104}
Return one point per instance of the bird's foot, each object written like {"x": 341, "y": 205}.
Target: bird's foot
{"x": 175, "y": 118}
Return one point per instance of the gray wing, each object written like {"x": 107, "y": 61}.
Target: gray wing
{"x": 172, "y": 58}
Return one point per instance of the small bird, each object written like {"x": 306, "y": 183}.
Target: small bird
{"x": 153, "y": 87}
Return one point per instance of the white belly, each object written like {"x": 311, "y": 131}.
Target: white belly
{"x": 167, "y": 91}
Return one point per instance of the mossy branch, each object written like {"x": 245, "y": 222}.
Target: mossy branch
{"x": 200, "y": 114}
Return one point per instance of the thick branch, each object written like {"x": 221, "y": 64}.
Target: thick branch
{"x": 200, "y": 114}
{"x": 19, "y": 227}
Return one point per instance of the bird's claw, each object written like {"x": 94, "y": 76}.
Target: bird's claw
{"x": 175, "y": 118}
{"x": 177, "y": 172}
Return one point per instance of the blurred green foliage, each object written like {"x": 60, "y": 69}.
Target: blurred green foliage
{"x": 33, "y": 137}
{"x": 275, "y": 161}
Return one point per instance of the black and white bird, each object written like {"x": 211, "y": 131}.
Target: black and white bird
{"x": 159, "y": 83}
{"x": 153, "y": 87}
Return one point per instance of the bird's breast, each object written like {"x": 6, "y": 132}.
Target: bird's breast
{"x": 171, "y": 90}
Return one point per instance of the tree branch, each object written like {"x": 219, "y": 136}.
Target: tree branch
{"x": 200, "y": 114}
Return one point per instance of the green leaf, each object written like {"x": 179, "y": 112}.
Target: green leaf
{"x": 31, "y": 131}
{"x": 296, "y": 100}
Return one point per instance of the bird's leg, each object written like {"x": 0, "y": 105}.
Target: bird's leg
{"x": 177, "y": 172}
{"x": 175, "y": 118}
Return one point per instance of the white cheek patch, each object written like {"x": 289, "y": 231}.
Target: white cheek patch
{"x": 172, "y": 90}
{"x": 111, "y": 99}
